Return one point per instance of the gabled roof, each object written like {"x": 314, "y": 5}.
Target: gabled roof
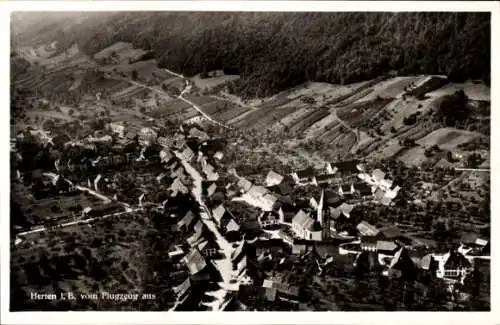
{"x": 303, "y": 219}
{"x": 187, "y": 220}
{"x": 232, "y": 226}
{"x": 385, "y": 245}
{"x": 198, "y": 226}
{"x": 469, "y": 238}
{"x": 391, "y": 231}
{"x": 244, "y": 183}
{"x": 181, "y": 289}
{"x": 219, "y": 213}
{"x": 325, "y": 178}
{"x": 195, "y": 261}
{"x": 378, "y": 175}
{"x": 363, "y": 188}
{"x": 367, "y": 229}
{"x": 194, "y": 238}
{"x": 197, "y": 133}
{"x": 456, "y": 260}
{"x": 369, "y": 240}
{"x": 346, "y": 166}
{"x": 346, "y": 187}
{"x": 273, "y": 178}
{"x": 257, "y": 191}
{"x": 306, "y": 173}
{"x": 379, "y": 193}
{"x": 401, "y": 260}
{"x": 211, "y": 189}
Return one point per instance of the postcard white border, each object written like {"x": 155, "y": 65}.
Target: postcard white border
{"x": 240, "y": 317}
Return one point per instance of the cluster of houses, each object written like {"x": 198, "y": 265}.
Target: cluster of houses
{"x": 326, "y": 226}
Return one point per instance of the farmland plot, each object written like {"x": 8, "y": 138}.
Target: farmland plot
{"x": 361, "y": 114}
{"x": 123, "y": 50}
{"x": 305, "y": 121}
{"x": 264, "y": 117}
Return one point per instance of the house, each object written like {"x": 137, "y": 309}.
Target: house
{"x": 244, "y": 184}
{"x": 387, "y": 247}
{"x": 208, "y": 248}
{"x": 211, "y": 189}
{"x": 344, "y": 168}
{"x": 369, "y": 243}
{"x": 363, "y": 189}
{"x": 273, "y": 178}
{"x": 257, "y": 192}
{"x": 268, "y": 219}
{"x": 305, "y": 177}
{"x": 118, "y": 129}
{"x": 366, "y": 229}
{"x": 186, "y": 221}
{"x": 213, "y": 148}
{"x": 390, "y": 232}
{"x": 378, "y": 176}
{"x": 147, "y": 136}
{"x": 194, "y": 261}
{"x": 401, "y": 265}
{"x": 195, "y": 238}
{"x": 179, "y": 141}
{"x": 268, "y": 201}
{"x": 346, "y": 189}
{"x": 181, "y": 291}
{"x": 209, "y": 170}
{"x": 286, "y": 211}
{"x": 285, "y": 187}
{"x": 221, "y": 215}
{"x": 325, "y": 179}
{"x": 187, "y": 154}
{"x": 285, "y": 291}
{"x": 178, "y": 187}
{"x": 272, "y": 247}
{"x": 229, "y": 226}
{"x": 166, "y": 156}
{"x": 423, "y": 260}
{"x": 453, "y": 266}
{"x": 341, "y": 218}
{"x": 198, "y": 134}
{"x": 165, "y": 142}
{"x": 306, "y": 227}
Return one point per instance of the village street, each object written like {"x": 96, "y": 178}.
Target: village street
{"x": 224, "y": 266}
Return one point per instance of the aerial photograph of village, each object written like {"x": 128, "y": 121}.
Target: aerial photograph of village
{"x": 250, "y": 161}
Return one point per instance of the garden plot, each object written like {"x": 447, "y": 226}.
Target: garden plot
{"x": 361, "y": 114}
{"x": 145, "y": 69}
{"x": 264, "y": 117}
{"x": 305, "y": 121}
{"x": 448, "y": 138}
{"x": 123, "y": 50}
{"x": 390, "y": 88}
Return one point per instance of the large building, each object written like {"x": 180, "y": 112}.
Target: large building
{"x": 147, "y": 136}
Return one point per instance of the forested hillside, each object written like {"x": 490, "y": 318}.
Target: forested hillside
{"x": 275, "y": 51}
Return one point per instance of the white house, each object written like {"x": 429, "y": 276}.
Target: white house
{"x": 306, "y": 227}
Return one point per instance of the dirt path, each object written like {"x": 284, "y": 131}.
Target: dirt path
{"x": 196, "y": 107}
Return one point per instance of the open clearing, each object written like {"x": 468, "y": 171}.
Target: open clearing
{"x": 448, "y": 138}
{"x": 124, "y": 50}
{"x": 211, "y": 82}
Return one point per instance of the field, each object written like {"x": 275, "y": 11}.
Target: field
{"x": 448, "y": 138}
{"x": 123, "y": 50}
{"x": 211, "y": 82}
